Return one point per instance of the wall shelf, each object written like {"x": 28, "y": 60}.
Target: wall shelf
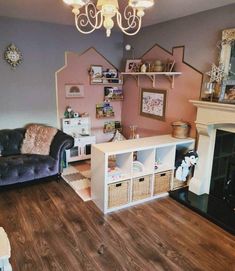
{"x": 108, "y": 81}
{"x": 152, "y": 76}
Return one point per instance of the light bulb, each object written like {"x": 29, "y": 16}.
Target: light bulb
{"x": 128, "y": 47}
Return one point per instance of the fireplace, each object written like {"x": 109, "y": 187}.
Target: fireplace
{"x": 222, "y": 185}
{"x": 211, "y": 191}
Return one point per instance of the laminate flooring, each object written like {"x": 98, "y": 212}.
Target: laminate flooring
{"x": 51, "y": 228}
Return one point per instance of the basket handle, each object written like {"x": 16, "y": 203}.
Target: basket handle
{"x": 118, "y": 184}
{"x": 163, "y": 174}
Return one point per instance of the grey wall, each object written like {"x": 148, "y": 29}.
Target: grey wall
{"x": 27, "y": 94}
{"x": 199, "y": 33}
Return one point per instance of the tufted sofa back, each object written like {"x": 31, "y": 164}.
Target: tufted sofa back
{"x": 10, "y": 141}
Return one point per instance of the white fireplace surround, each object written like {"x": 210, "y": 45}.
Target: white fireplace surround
{"x": 210, "y": 117}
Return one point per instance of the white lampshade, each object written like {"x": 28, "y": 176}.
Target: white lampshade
{"x": 141, "y": 4}
{"x": 101, "y": 3}
{"x": 76, "y": 2}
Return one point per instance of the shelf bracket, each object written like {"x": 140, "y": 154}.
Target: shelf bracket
{"x": 153, "y": 79}
{"x": 171, "y": 78}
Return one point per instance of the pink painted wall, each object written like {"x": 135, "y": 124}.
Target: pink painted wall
{"x": 187, "y": 86}
{"x": 75, "y": 71}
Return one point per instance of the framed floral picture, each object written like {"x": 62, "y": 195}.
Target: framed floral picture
{"x": 227, "y": 94}
{"x": 153, "y": 103}
{"x": 133, "y": 65}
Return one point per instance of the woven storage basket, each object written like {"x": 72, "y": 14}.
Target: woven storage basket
{"x": 162, "y": 182}
{"x": 141, "y": 188}
{"x": 178, "y": 184}
{"x": 118, "y": 194}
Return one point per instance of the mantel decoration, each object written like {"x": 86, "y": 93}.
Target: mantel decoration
{"x": 94, "y": 17}
{"x": 13, "y": 55}
{"x": 222, "y": 76}
{"x": 217, "y": 73}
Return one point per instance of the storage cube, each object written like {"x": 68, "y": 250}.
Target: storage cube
{"x": 118, "y": 193}
{"x": 162, "y": 182}
{"x": 141, "y": 188}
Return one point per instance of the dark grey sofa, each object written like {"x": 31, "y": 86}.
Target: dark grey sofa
{"x": 18, "y": 168}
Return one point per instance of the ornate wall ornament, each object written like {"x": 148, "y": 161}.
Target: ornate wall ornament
{"x": 13, "y": 55}
{"x": 217, "y": 73}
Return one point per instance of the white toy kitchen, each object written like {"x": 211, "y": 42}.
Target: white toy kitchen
{"x": 80, "y": 129}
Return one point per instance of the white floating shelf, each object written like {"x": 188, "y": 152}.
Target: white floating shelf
{"x": 152, "y": 76}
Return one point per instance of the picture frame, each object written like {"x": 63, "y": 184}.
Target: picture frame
{"x": 133, "y": 65}
{"x": 96, "y": 73}
{"x": 74, "y": 91}
{"x": 227, "y": 94}
{"x": 153, "y": 103}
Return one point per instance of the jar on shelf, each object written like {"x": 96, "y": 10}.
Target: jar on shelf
{"x": 158, "y": 66}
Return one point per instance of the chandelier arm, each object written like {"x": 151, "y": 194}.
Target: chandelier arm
{"x": 131, "y": 25}
{"x": 132, "y": 33}
{"x": 129, "y": 14}
{"x": 90, "y": 8}
{"x": 85, "y": 22}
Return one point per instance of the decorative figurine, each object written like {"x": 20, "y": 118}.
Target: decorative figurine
{"x": 69, "y": 112}
{"x": 183, "y": 166}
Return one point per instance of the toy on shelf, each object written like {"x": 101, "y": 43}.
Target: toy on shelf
{"x": 113, "y": 93}
{"x": 133, "y": 133}
{"x": 112, "y": 126}
{"x": 184, "y": 164}
{"x": 69, "y": 113}
{"x": 138, "y": 167}
{"x": 104, "y": 110}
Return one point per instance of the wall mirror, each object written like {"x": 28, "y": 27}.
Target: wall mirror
{"x": 227, "y": 56}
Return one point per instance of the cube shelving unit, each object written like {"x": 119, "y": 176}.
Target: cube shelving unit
{"x": 130, "y": 187}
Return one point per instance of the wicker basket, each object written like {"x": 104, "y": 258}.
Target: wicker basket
{"x": 118, "y": 194}
{"x": 178, "y": 184}
{"x": 141, "y": 188}
{"x": 162, "y": 182}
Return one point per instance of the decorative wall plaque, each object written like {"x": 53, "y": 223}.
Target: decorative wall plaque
{"x": 13, "y": 55}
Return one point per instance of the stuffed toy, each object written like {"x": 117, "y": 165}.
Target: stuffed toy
{"x": 183, "y": 165}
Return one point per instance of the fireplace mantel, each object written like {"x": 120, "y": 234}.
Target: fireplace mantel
{"x": 210, "y": 117}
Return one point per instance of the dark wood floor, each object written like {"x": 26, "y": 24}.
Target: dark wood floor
{"x": 50, "y": 228}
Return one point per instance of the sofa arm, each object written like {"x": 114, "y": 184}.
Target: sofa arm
{"x": 60, "y": 143}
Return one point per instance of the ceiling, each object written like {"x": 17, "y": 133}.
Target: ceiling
{"x": 56, "y": 11}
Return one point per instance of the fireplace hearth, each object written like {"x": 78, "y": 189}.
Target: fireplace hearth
{"x": 216, "y": 210}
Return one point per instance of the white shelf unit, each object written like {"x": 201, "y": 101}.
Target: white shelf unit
{"x": 148, "y": 150}
{"x": 153, "y": 75}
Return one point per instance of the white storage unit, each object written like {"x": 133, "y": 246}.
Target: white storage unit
{"x": 127, "y": 182}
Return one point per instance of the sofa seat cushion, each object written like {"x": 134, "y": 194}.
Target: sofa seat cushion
{"x": 26, "y": 167}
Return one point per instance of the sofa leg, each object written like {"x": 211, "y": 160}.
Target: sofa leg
{"x": 58, "y": 177}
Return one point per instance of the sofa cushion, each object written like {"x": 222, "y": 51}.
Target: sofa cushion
{"x": 11, "y": 141}
{"x": 26, "y": 167}
{"x": 38, "y": 139}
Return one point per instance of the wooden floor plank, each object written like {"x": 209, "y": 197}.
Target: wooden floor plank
{"x": 51, "y": 228}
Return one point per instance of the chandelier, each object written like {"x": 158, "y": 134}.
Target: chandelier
{"x": 94, "y": 17}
